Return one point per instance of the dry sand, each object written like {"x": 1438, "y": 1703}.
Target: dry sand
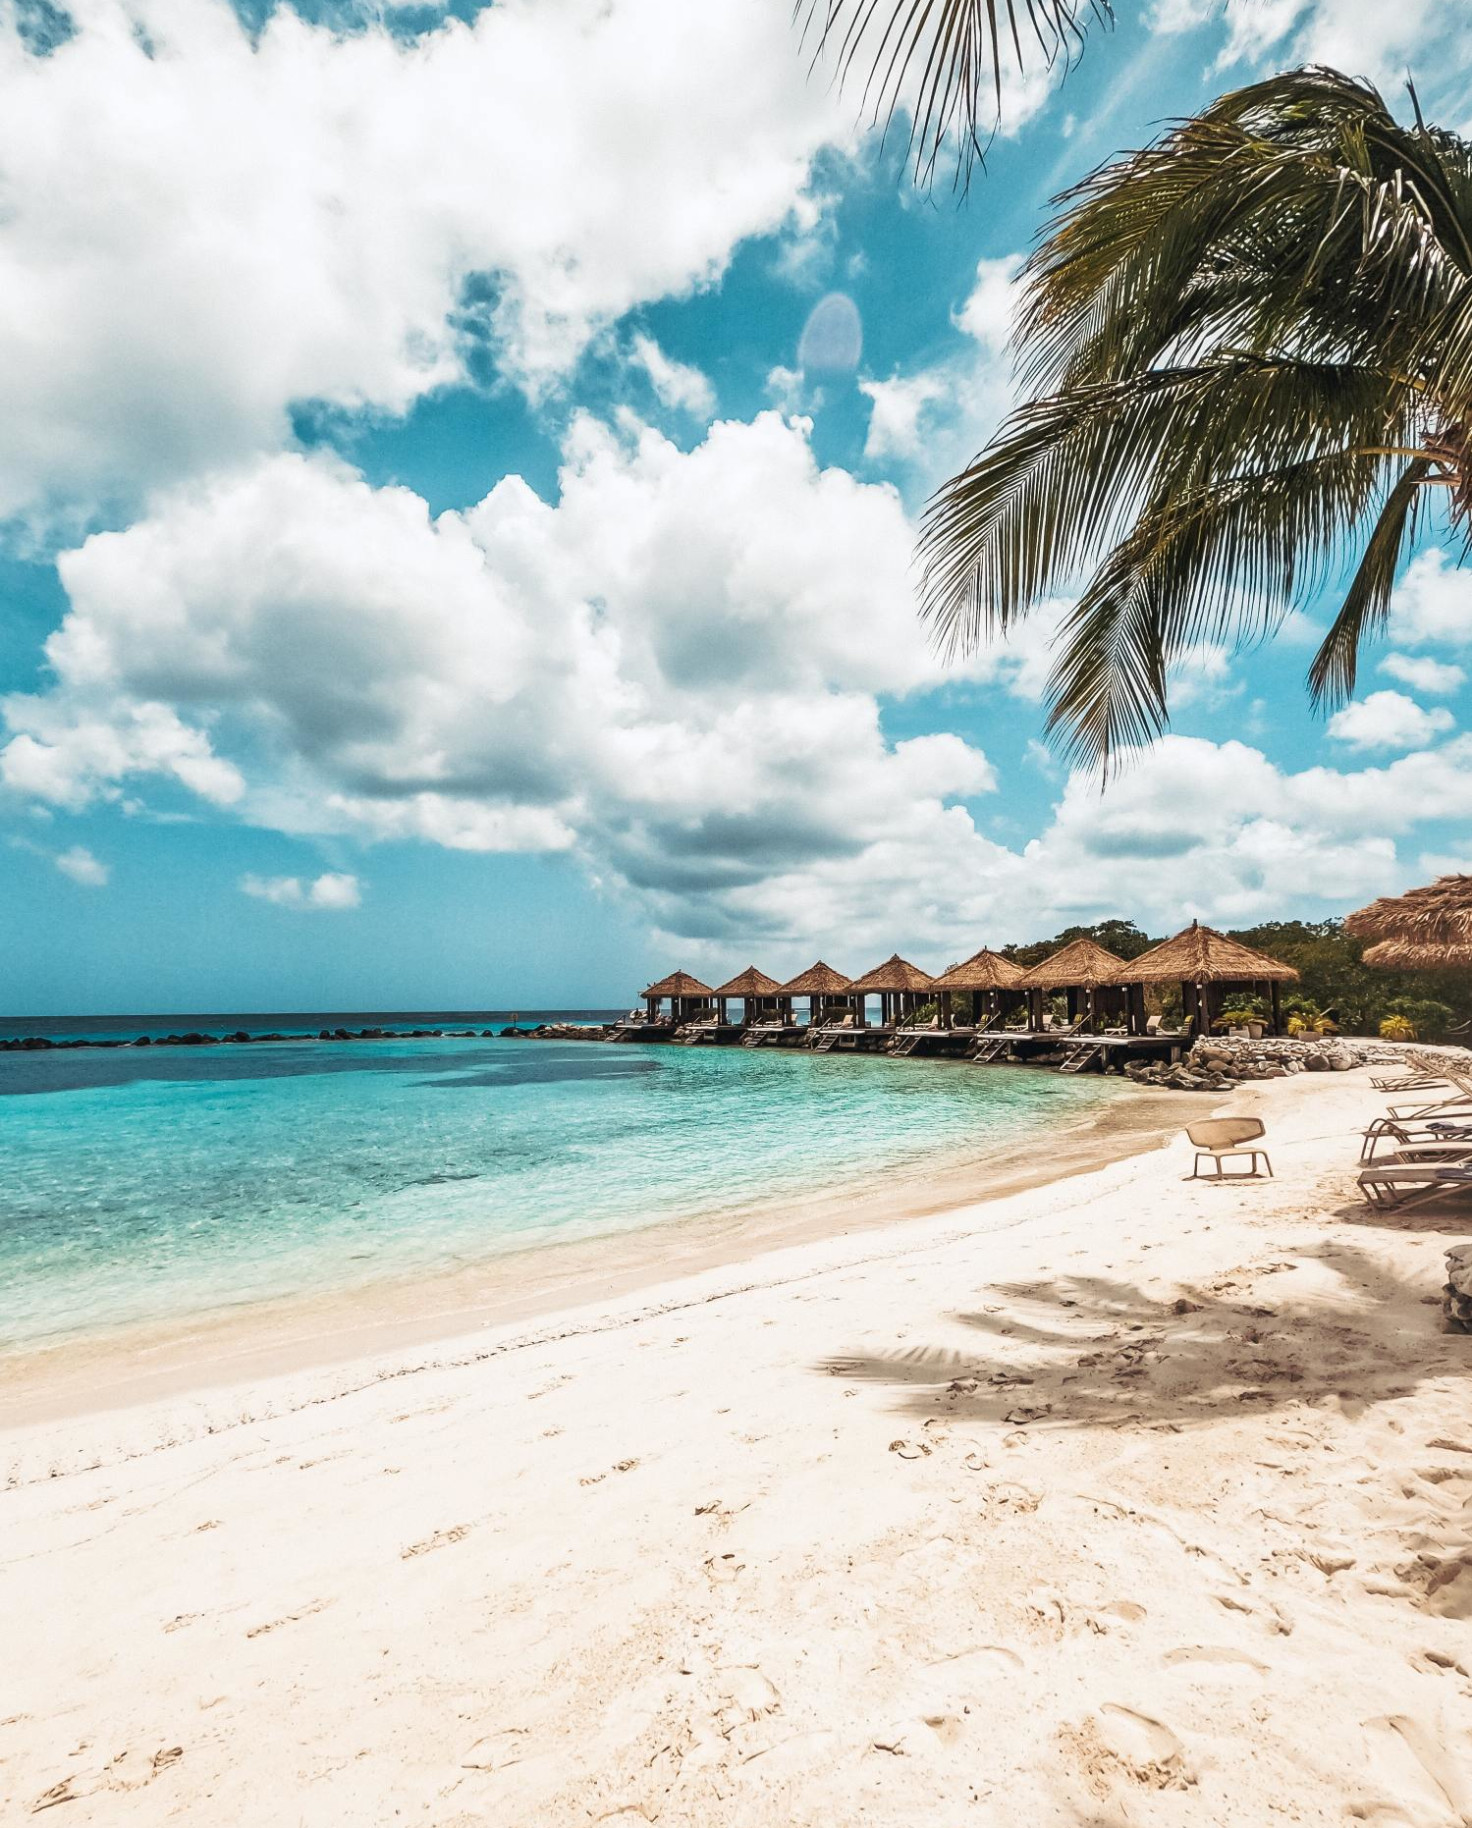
{"x": 1120, "y": 1501}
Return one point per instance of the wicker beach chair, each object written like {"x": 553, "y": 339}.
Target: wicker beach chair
{"x": 1222, "y": 1138}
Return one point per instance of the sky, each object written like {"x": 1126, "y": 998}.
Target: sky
{"x": 459, "y": 473}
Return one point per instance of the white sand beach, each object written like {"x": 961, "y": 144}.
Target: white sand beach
{"x": 1122, "y": 1500}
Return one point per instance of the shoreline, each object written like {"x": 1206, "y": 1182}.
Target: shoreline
{"x": 1124, "y": 1498}
{"x": 136, "y": 1365}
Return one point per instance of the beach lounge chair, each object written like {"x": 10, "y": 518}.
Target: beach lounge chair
{"x": 1221, "y": 1138}
{"x": 1393, "y": 1181}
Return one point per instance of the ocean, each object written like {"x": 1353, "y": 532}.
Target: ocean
{"x": 146, "y": 1185}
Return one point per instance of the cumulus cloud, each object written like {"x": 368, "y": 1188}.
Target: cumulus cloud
{"x": 1432, "y": 603}
{"x": 205, "y": 222}
{"x": 1389, "y": 720}
{"x": 936, "y": 418}
{"x": 331, "y": 893}
{"x": 1438, "y": 677}
{"x": 673, "y": 672}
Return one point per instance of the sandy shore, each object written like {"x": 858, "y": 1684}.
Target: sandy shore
{"x": 1117, "y": 1501}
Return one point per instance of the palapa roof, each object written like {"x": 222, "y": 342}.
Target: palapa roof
{"x": 1440, "y": 915}
{"x": 818, "y": 980}
{"x": 984, "y": 970}
{"x": 895, "y": 973}
{"x": 1083, "y": 964}
{"x": 679, "y": 984}
{"x": 1201, "y": 955}
{"x": 1417, "y": 955}
{"x": 750, "y": 983}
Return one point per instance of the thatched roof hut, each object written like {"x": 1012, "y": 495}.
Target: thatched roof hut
{"x": 1201, "y": 961}
{"x": 1426, "y": 929}
{"x": 895, "y": 975}
{"x": 900, "y": 986}
{"x": 750, "y": 983}
{"x": 678, "y": 984}
{"x": 818, "y": 980}
{"x": 1083, "y": 964}
{"x": 1201, "y": 955}
{"x": 1418, "y": 955}
{"x": 984, "y": 970}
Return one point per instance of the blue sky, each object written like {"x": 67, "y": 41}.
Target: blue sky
{"x": 458, "y": 485}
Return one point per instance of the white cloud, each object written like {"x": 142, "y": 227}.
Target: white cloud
{"x": 1432, "y": 603}
{"x": 677, "y": 384}
{"x": 81, "y": 866}
{"x": 936, "y": 418}
{"x": 673, "y": 674}
{"x": 204, "y": 223}
{"x": 1365, "y": 37}
{"x": 1389, "y": 720}
{"x": 1437, "y": 677}
{"x": 78, "y": 863}
{"x": 332, "y": 893}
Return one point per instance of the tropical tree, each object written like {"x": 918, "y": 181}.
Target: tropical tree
{"x": 1247, "y": 352}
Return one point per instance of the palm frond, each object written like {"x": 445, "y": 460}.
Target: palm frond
{"x": 1367, "y": 601}
{"x": 939, "y": 61}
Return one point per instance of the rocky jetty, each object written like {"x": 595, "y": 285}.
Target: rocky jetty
{"x": 23, "y": 1044}
{"x": 558, "y": 1031}
{"x": 1218, "y": 1063}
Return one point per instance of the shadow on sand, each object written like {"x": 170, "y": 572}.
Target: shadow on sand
{"x": 1089, "y": 1351}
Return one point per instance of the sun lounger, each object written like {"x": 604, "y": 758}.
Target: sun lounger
{"x": 1222, "y": 1138}
{"x": 1396, "y": 1182}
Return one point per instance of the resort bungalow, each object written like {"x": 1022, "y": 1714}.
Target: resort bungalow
{"x": 827, "y": 992}
{"x": 984, "y": 989}
{"x": 1207, "y": 966}
{"x": 689, "y": 1001}
{"x": 1088, "y": 975}
{"x": 763, "y": 1001}
{"x": 901, "y": 988}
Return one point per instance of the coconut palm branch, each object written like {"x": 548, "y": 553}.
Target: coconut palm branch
{"x": 941, "y": 61}
{"x": 1249, "y": 351}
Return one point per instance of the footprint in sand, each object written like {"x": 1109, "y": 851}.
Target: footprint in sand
{"x": 1144, "y": 1746}
{"x": 1219, "y": 1655}
{"x": 1414, "y": 1764}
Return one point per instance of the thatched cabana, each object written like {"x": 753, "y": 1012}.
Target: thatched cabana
{"x": 1205, "y": 963}
{"x": 900, "y": 986}
{"x": 762, "y": 997}
{"x": 1083, "y": 969}
{"x": 828, "y": 992}
{"x": 990, "y": 980}
{"x": 688, "y": 998}
{"x": 1428, "y": 929}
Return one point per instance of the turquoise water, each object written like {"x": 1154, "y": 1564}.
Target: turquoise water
{"x": 152, "y": 1184}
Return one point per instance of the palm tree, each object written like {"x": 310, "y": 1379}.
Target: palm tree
{"x": 1249, "y": 355}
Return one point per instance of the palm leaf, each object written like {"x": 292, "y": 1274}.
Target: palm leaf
{"x": 939, "y": 60}
{"x": 1367, "y": 601}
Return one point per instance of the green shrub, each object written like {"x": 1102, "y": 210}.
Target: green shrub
{"x": 1397, "y": 1028}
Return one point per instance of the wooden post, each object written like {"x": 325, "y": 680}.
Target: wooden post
{"x": 1277, "y": 995}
